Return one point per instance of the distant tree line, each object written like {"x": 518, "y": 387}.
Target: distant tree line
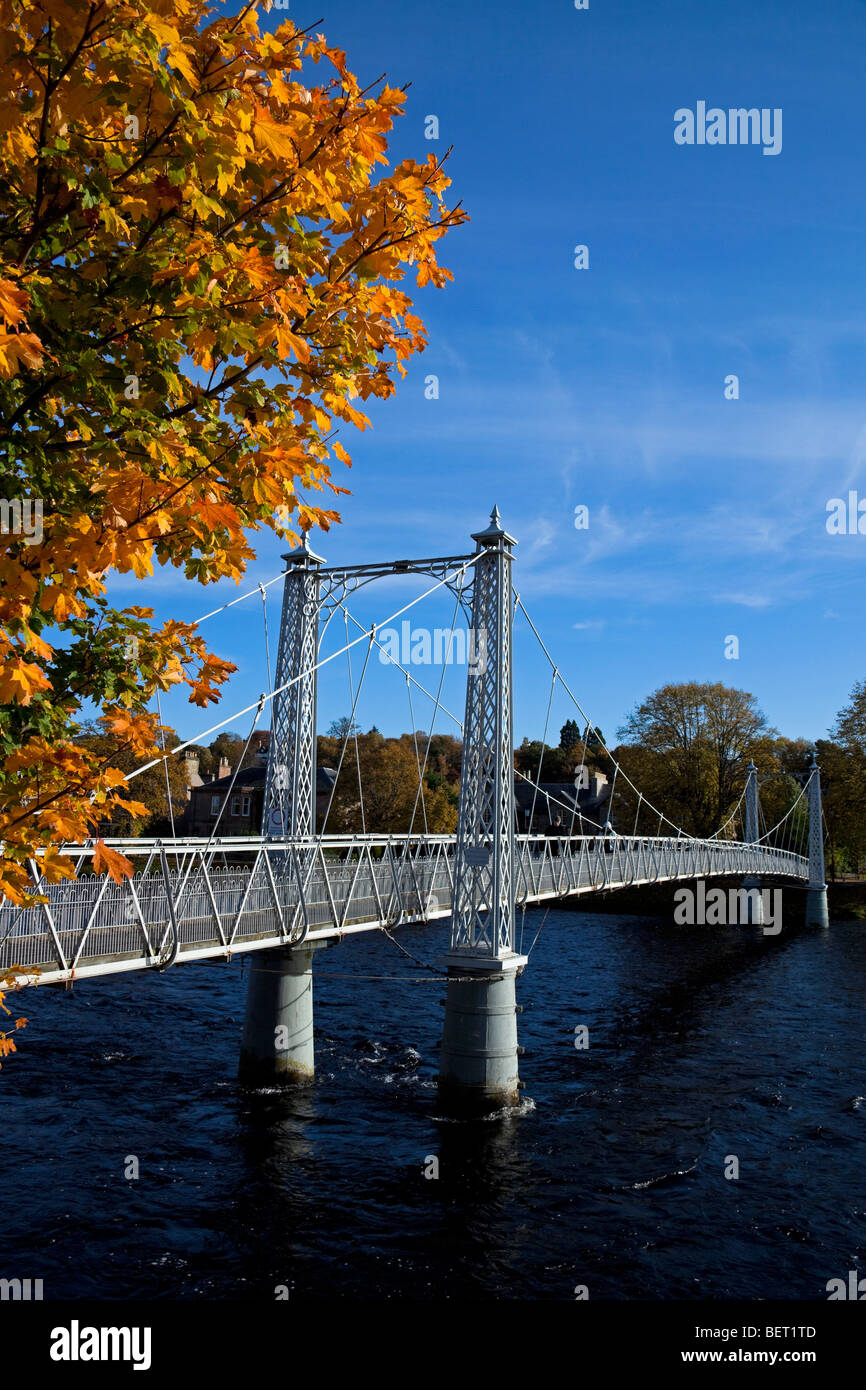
{"x": 687, "y": 747}
{"x": 390, "y": 771}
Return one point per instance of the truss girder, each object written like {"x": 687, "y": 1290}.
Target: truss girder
{"x": 244, "y": 895}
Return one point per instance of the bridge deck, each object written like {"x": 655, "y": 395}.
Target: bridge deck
{"x": 198, "y": 899}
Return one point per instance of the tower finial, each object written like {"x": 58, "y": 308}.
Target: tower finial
{"x": 495, "y": 533}
{"x": 303, "y": 554}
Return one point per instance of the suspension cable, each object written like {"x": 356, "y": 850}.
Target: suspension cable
{"x": 354, "y": 728}
{"x": 266, "y": 585}
{"x": 578, "y": 705}
{"x": 438, "y": 705}
{"x": 420, "y": 792}
{"x": 790, "y": 810}
{"x": 323, "y": 661}
{"x": 267, "y": 640}
{"x": 542, "y": 749}
{"x": 417, "y": 754}
{"x": 348, "y": 734}
{"x": 165, "y": 767}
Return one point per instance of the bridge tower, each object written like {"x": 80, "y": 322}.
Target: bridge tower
{"x": 752, "y": 882}
{"x": 278, "y": 1023}
{"x": 478, "y": 1062}
{"x": 816, "y": 893}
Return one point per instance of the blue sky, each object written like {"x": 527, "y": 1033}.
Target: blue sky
{"x": 605, "y": 386}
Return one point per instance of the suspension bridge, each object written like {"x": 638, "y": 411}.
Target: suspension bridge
{"x": 290, "y": 891}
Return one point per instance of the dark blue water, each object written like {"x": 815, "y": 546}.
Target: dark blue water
{"x": 704, "y": 1042}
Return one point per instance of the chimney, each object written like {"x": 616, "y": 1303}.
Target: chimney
{"x": 225, "y": 768}
{"x": 191, "y": 764}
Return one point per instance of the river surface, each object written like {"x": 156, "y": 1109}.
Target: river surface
{"x": 705, "y": 1043}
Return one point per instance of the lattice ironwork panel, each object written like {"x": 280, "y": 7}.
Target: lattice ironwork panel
{"x": 483, "y": 918}
{"x": 816, "y": 831}
{"x": 290, "y": 788}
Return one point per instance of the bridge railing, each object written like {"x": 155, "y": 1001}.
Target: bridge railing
{"x": 197, "y": 898}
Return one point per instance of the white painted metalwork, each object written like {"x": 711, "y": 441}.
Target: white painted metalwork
{"x": 233, "y": 895}
{"x": 290, "y": 787}
{"x": 752, "y": 831}
{"x": 816, "y": 829}
{"x": 207, "y": 898}
{"x": 483, "y": 919}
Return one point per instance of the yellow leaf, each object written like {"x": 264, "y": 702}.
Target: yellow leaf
{"x": 16, "y": 348}
{"x": 277, "y": 139}
{"x": 177, "y": 55}
{"x": 20, "y": 681}
{"x": 13, "y": 303}
{"x": 286, "y": 341}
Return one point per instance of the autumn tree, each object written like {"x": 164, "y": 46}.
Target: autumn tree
{"x": 687, "y": 748}
{"x": 150, "y": 788}
{"x": 389, "y": 777}
{"x": 542, "y": 763}
{"x": 843, "y": 779}
{"x": 850, "y": 727}
{"x": 9, "y": 1025}
{"x": 226, "y": 745}
{"x": 201, "y": 248}
{"x": 341, "y": 728}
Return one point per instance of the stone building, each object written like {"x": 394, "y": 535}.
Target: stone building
{"x": 238, "y": 809}
{"x": 562, "y": 799}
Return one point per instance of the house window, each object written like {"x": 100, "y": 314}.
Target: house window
{"x": 245, "y": 805}
{"x": 215, "y": 803}
{"x": 236, "y": 805}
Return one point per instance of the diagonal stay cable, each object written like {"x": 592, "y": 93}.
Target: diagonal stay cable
{"x": 383, "y": 651}
{"x": 205, "y": 733}
{"x": 165, "y": 768}
{"x": 348, "y": 735}
{"x": 415, "y": 746}
{"x": 543, "y": 747}
{"x": 420, "y": 792}
{"x": 267, "y": 639}
{"x": 353, "y": 723}
{"x": 579, "y": 706}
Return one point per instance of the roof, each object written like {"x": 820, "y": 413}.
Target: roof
{"x": 563, "y": 791}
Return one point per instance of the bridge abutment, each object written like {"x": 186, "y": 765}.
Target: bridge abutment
{"x": 277, "y": 1041}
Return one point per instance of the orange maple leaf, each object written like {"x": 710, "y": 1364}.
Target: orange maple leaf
{"x": 110, "y": 861}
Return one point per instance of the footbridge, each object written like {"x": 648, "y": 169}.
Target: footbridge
{"x": 290, "y": 891}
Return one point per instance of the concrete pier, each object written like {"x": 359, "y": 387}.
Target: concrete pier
{"x": 753, "y": 907}
{"x": 277, "y": 1041}
{"x": 478, "y": 1069}
{"x": 817, "y": 914}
